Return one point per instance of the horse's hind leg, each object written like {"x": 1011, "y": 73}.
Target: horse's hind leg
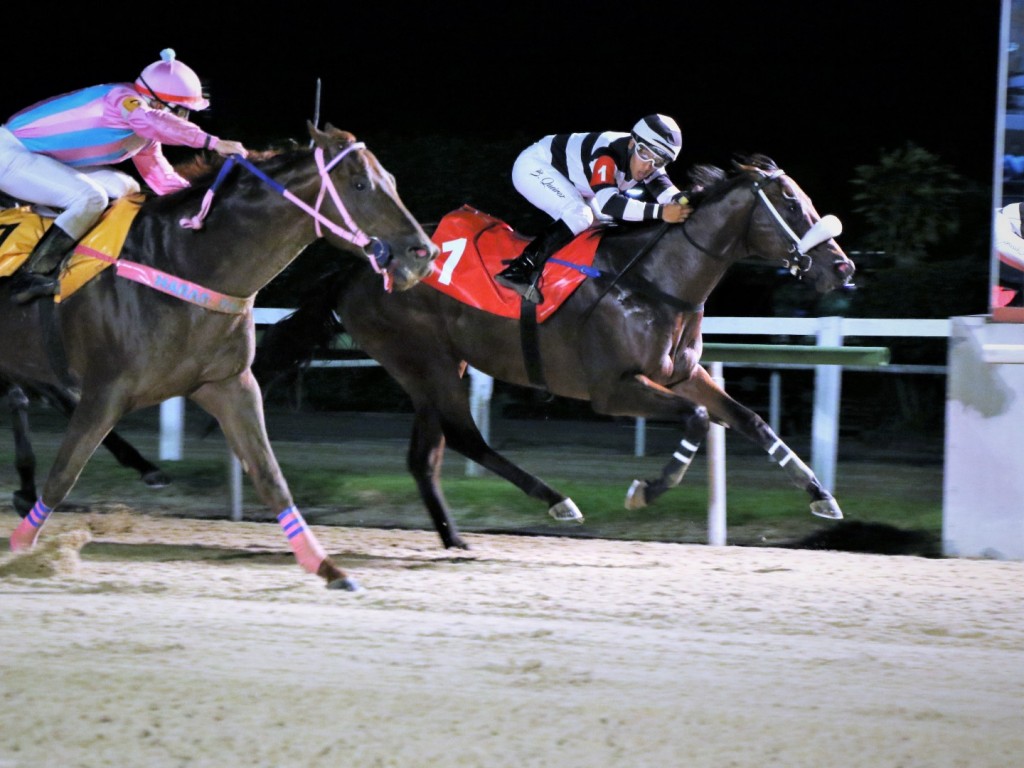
{"x": 464, "y": 437}
{"x": 24, "y": 456}
{"x": 644, "y": 492}
{"x": 424, "y": 458}
{"x": 238, "y": 408}
{"x": 89, "y": 424}
{"x": 128, "y": 456}
{"x": 448, "y": 419}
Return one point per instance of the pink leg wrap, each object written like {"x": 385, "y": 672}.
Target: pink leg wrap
{"x": 304, "y": 544}
{"x": 24, "y": 536}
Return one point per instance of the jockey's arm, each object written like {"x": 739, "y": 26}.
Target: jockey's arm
{"x": 156, "y": 171}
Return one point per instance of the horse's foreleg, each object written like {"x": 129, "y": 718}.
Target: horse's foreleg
{"x": 238, "y": 408}
{"x": 723, "y": 409}
{"x": 24, "y": 456}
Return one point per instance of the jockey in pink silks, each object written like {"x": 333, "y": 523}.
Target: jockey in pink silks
{"x": 55, "y": 153}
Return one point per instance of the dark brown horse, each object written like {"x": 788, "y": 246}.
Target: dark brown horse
{"x": 189, "y": 331}
{"x": 628, "y": 341}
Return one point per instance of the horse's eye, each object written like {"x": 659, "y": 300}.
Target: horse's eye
{"x": 359, "y": 184}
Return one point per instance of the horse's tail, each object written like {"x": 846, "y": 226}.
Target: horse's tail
{"x": 291, "y": 343}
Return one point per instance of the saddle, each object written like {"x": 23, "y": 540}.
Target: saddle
{"x": 21, "y": 227}
{"x": 473, "y": 246}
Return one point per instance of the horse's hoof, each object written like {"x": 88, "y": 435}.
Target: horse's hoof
{"x": 566, "y": 511}
{"x": 636, "y": 496}
{"x": 455, "y": 544}
{"x": 22, "y": 503}
{"x": 345, "y": 583}
{"x": 156, "y": 479}
{"x": 827, "y": 508}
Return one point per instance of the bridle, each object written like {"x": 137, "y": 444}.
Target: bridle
{"x": 377, "y": 251}
{"x": 798, "y": 262}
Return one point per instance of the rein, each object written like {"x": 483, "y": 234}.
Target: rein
{"x": 684, "y": 306}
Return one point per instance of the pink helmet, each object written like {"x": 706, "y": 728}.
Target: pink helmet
{"x": 171, "y": 82}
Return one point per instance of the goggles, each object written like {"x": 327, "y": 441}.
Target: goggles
{"x": 178, "y": 109}
{"x": 649, "y": 155}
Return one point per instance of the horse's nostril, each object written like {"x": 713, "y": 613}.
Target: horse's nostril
{"x": 844, "y": 268}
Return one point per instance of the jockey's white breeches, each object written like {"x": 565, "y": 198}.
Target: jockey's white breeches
{"x": 79, "y": 194}
{"x": 537, "y": 180}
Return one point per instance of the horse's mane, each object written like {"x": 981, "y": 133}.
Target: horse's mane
{"x": 709, "y": 182}
{"x": 205, "y": 165}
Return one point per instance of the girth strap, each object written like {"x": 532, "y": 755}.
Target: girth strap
{"x": 530, "y": 345}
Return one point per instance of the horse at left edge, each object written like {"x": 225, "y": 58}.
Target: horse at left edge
{"x": 173, "y": 316}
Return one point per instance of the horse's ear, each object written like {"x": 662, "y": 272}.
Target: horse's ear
{"x": 745, "y": 163}
{"x": 316, "y": 134}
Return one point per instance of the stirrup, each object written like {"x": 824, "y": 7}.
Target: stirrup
{"x": 528, "y": 290}
{"x": 521, "y": 275}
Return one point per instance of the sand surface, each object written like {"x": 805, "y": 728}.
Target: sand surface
{"x": 136, "y": 640}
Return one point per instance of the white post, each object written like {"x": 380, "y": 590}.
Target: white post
{"x": 825, "y": 424}
{"x": 481, "y": 387}
{"x": 172, "y": 428}
{"x": 716, "y": 473}
{"x": 775, "y": 402}
{"x": 640, "y": 437}
{"x": 235, "y": 482}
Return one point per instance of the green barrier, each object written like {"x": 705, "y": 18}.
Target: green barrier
{"x": 795, "y": 353}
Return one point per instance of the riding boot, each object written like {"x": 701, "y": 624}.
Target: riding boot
{"x": 39, "y": 276}
{"x": 523, "y": 272}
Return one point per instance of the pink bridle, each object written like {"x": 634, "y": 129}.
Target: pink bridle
{"x": 350, "y": 231}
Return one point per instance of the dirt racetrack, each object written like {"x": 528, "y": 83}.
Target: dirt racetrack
{"x": 137, "y": 640}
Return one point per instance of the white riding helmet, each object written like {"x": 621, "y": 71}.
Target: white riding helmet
{"x": 172, "y": 83}
{"x": 661, "y": 133}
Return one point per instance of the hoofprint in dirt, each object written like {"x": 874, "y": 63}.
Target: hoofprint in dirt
{"x": 138, "y": 640}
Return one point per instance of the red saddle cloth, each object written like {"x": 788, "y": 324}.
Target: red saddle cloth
{"x": 473, "y": 246}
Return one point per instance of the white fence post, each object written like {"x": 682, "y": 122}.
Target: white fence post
{"x": 716, "y": 472}
{"x": 825, "y": 424}
{"x": 172, "y": 428}
{"x": 481, "y": 387}
{"x": 775, "y": 402}
{"x": 235, "y": 483}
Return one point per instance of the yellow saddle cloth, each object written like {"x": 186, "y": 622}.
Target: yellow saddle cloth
{"x": 21, "y": 228}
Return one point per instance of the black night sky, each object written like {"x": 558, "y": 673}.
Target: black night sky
{"x": 820, "y": 87}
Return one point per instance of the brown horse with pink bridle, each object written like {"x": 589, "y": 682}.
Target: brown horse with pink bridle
{"x": 174, "y": 317}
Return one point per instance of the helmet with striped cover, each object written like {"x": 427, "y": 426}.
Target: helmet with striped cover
{"x": 661, "y": 133}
